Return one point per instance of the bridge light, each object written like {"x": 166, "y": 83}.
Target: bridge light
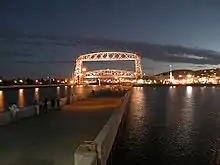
{"x": 84, "y": 69}
{"x": 189, "y": 76}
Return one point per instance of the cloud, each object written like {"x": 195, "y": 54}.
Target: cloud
{"x": 191, "y": 56}
{"x": 165, "y": 53}
{"x": 9, "y": 54}
{"x": 156, "y": 52}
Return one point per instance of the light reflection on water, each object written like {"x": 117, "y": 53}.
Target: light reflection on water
{"x": 168, "y": 126}
{"x": 184, "y": 130}
{"x": 21, "y": 101}
{"x": 138, "y": 109}
{"x": 1, "y": 101}
{"x": 58, "y": 92}
{"x": 36, "y": 94}
{"x": 66, "y": 91}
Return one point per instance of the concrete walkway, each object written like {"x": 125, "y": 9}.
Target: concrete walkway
{"x": 51, "y": 139}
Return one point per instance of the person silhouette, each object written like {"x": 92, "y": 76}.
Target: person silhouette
{"x": 45, "y": 105}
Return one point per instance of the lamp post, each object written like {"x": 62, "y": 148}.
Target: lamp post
{"x": 171, "y": 74}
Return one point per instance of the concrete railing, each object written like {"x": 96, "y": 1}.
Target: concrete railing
{"x": 7, "y": 117}
{"x": 105, "y": 139}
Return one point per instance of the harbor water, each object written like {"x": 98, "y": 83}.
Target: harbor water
{"x": 25, "y": 96}
{"x": 171, "y": 126}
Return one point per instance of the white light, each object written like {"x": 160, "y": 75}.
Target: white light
{"x": 189, "y": 90}
{"x": 189, "y": 76}
{"x": 141, "y": 81}
{"x": 36, "y": 90}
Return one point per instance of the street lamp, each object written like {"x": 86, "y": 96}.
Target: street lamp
{"x": 171, "y": 75}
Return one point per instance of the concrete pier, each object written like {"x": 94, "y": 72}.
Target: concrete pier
{"x": 96, "y": 152}
{"x": 52, "y": 138}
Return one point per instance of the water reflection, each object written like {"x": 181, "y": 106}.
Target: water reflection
{"x": 21, "y": 101}
{"x": 58, "y": 91}
{"x": 172, "y": 91}
{"x": 138, "y": 111}
{"x": 202, "y": 89}
{"x": 187, "y": 137}
{"x": 1, "y": 101}
{"x": 184, "y": 124}
{"x": 66, "y": 91}
{"x": 36, "y": 94}
{"x": 213, "y": 90}
{"x": 171, "y": 101}
{"x": 189, "y": 91}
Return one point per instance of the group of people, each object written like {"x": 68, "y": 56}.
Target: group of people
{"x": 42, "y": 107}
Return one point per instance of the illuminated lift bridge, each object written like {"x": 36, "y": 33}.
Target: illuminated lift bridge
{"x": 81, "y": 73}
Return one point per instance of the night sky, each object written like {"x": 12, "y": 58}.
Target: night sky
{"x": 44, "y": 37}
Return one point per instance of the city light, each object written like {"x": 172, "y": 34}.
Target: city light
{"x": 0, "y": 81}
{"x": 140, "y": 81}
{"x": 189, "y": 76}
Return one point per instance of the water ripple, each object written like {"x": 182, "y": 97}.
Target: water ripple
{"x": 171, "y": 126}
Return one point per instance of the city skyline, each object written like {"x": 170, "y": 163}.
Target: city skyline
{"x": 44, "y": 38}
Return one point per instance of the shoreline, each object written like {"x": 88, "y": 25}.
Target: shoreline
{"x": 31, "y": 86}
{"x": 163, "y": 85}
{"x": 134, "y": 85}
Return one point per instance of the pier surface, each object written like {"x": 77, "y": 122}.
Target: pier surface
{"x": 52, "y": 138}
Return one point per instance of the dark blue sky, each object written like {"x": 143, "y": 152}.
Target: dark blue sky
{"x": 58, "y": 30}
